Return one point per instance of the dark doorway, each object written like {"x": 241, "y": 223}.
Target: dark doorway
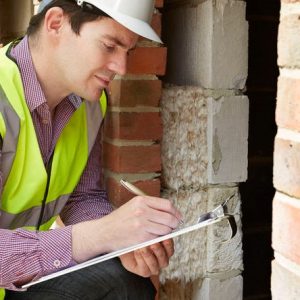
{"x": 257, "y": 193}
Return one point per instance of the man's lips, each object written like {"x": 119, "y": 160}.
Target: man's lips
{"x": 103, "y": 80}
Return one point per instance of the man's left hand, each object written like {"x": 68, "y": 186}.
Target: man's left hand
{"x": 148, "y": 261}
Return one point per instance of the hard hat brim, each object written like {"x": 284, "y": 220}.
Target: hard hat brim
{"x": 135, "y": 25}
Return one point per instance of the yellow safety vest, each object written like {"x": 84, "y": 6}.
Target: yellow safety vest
{"x": 34, "y": 195}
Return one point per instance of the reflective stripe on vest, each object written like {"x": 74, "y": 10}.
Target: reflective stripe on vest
{"x": 24, "y": 174}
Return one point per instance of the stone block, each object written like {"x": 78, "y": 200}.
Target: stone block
{"x": 227, "y": 139}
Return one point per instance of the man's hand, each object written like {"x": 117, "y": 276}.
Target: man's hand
{"x": 141, "y": 219}
{"x": 148, "y": 261}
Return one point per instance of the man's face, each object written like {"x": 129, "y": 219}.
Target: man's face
{"x": 89, "y": 61}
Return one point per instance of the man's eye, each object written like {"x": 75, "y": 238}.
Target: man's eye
{"x": 109, "y": 48}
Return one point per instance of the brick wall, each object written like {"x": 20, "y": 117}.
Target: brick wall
{"x": 133, "y": 127}
{"x": 286, "y": 204}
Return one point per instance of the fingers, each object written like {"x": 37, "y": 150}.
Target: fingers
{"x": 150, "y": 260}
{"x": 160, "y": 254}
{"x": 157, "y": 255}
{"x": 163, "y": 205}
{"x": 157, "y": 229}
{"x": 169, "y": 247}
{"x": 156, "y": 210}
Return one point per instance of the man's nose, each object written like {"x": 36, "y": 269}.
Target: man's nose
{"x": 119, "y": 65}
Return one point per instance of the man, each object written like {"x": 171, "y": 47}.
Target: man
{"x": 50, "y": 127}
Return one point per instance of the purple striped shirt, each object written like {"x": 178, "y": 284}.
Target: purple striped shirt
{"x": 26, "y": 255}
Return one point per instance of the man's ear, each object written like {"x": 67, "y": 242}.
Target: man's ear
{"x": 54, "y": 20}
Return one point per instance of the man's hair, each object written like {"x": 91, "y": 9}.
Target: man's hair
{"x": 77, "y": 15}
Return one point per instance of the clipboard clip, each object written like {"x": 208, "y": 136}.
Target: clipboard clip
{"x": 221, "y": 212}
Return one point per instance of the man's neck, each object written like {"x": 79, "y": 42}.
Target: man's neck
{"x": 45, "y": 72}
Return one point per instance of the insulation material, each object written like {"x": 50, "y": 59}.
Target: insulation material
{"x": 184, "y": 143}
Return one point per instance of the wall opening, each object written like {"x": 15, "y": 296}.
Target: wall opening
{"x": 257, "y": 193}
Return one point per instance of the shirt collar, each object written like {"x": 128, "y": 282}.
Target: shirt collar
{"x": 34, "y": 94}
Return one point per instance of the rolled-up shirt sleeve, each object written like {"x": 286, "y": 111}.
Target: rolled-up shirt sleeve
{"x": 89, "y": 200}
{"x": 29, "y": 255}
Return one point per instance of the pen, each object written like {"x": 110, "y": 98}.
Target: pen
{"x": 136, "y": 191}
{"x": 133, "y": 189}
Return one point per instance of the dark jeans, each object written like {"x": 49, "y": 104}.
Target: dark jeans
{"x": 107, "y": 281}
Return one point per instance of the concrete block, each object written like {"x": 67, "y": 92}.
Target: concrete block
{"x": 184, "y": 151}
{"x": 212, "y": 37}
{"x": 215, "y": 289}
{"x": 227, "y": 138}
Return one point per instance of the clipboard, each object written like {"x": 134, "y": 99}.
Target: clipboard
{"x": 200, "y": 224}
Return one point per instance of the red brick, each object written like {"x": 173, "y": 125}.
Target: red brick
{"x": 147, "y": 60}
{"x": 285, "y": 284}
{"x": 159, "y": 3}
{"x": 286, "y": 233}
{"x": 288, "y": 103}
{"x": 133, "y": 126}
{"x": 156, "y": 23}
{"x": 118, "y": 195}
{"x": 132, "y": 159}
{"x": 289, "y": 41}
{"x": 131, "y": 93}
{"x": 287, "y": 167}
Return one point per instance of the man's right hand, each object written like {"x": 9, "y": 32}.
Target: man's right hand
{"x": 141, "y": 219}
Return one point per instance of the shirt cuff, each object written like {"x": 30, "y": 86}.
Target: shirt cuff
{"x": 56, "y": 249}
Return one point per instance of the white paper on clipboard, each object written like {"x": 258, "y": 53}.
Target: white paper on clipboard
{"x": 117, "y": 253}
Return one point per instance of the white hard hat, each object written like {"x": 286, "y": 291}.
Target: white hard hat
{"x": 135, "y": 15}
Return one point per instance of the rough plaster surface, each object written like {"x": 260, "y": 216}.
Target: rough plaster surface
{"x": 212, "y": 37}
{"x": 227, "y": 137}
{"x": 203, "y": 253}
{"x": 184, "y": 150}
